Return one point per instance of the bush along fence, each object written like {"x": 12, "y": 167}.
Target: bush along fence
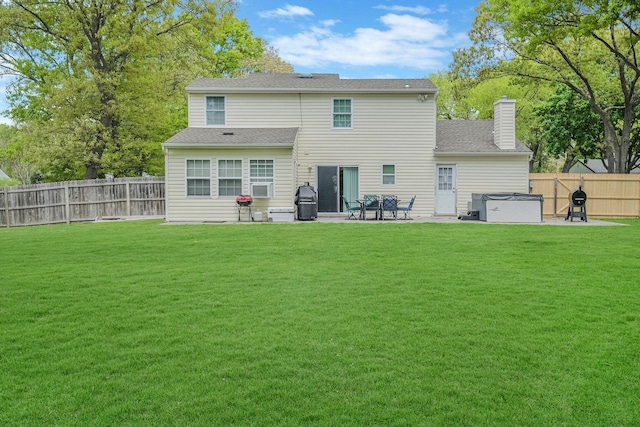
{"x": 608, "y": 195}
{"x": 81, "y": 201}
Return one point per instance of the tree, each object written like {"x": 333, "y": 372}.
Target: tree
{"x": 590, "y": 46}
{"x": 269, "y": 62}
{"x": 14, "y": 158}
{"x": 571, "y": 129}
{"x": 100, "y": 82}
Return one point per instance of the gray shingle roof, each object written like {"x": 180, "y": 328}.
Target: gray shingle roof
{"x": 295, "y": 82}
{"x": 470, "y": 137}
{"x": 233, "y": 137}
{"x": 595, "y": 166}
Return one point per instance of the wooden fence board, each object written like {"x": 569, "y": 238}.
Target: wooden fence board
{"x": 76, "y": 201}
{"x": 608, "y": 195}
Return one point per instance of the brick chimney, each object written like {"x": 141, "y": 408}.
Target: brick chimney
{"x": 504, "y": 123}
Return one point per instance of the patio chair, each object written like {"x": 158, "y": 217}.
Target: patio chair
{"x": 370, "y": 203}
{"x": 389, "y": 207}
{"x": 352, "y": 208}
{"x": 407, "y": 209}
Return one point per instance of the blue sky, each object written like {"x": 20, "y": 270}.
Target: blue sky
{"x": 363, "y": 38}
{"x": 357, "y": 38}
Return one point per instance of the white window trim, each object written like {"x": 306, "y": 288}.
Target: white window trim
{"x": 186, "y": 178}
{"x": 273, "y": 179}
{"x": 332, "y": 113}
{"x": 218, "y": 176}
{"x": 395, "y": 174}
{"x": 211, "y": 95}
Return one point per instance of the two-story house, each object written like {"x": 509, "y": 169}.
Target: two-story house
{"x": 267, "y": 134}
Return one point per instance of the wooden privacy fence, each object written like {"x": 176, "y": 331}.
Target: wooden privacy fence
{"x": 79, "y": 201}
{"x": 608, "y": 195}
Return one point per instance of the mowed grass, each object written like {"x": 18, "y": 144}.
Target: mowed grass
{"x": 140, "y": 323}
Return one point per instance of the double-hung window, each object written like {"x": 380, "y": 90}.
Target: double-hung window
{"x": 388, "y": 174}
{"x": 261, "y": 177}
{"x": 261, "y": 171}
{"x": 229, "y": 178}
{"x": 342, "y": 113}
{"x": 216, "y": 114}
{"x": 198, "y": 177}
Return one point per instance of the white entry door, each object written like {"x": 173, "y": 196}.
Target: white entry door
{"x": 446, "y": 190}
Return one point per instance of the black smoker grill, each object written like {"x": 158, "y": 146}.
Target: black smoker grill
{"x": 577, "y": 205}
{"x": 307, "y": 202}
{"x": 244, "y": 201}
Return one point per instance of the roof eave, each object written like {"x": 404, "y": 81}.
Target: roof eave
{"x": 225, "y": 145}
{"x": 415, "y": 91}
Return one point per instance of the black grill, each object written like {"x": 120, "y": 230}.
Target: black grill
{"x": 307, "y": 201}
{"x": 577, "y": 205}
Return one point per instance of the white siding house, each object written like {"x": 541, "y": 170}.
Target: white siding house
{"x": 346, "y": 137}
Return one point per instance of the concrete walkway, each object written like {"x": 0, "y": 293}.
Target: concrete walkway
{"x": 558, "y": 221}
{"x": 452, "y": 220}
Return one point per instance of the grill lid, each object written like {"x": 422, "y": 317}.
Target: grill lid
{"x": 578, "y": 197}
{"x": 244, "y": 199}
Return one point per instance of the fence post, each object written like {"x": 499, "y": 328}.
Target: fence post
{"x": 67, "y": 208}
{"x": 6, "y": 205}
{"x": 555, "y": 197}
{"x": 128, "y": 199}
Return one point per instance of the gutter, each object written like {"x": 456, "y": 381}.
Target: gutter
{"x": 481, "y": 154}
{"x": 228, "y": 145}
{"x": 411, "y": 90}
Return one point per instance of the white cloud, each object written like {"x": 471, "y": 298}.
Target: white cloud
{"x": 287, "y": 12}
{"x": 418, "y": 10}
{"x": 405, "y": 40}
{"x": 330, "y": 22}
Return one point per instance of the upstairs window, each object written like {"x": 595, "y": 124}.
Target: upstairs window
{"x": 342, "y": 113}
{"x": 388, "y": 174}
{"x": 198, "y": 177}
{"x": 229, "y": 178}
{"x": 216, "y": 114}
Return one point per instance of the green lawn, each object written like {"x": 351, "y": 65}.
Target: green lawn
{"x": 140, "y": 323}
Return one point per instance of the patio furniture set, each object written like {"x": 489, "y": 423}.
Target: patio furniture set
{"x": 383, "y": 207}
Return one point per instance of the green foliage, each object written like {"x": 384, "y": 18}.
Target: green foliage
{"x": 469, "y": 98}
{"x": 9, "y": 182}
{"x": 269, "y": 62}
{"x": 571, "y": 129}
{"x": 588, "y": 46}
{"x": 14, "y": 159}
{"x": 101, "y": 84}
{"x": 363, "y": 327}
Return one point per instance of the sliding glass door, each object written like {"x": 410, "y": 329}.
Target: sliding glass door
{"x": 334, "y": 182}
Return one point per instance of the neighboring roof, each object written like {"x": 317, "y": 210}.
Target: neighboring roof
{"x": 3, "y": 175}
{"x": 470, "y": 137}
{"x": 594, "y": 166}
{"x": 296, "y": 82}
{"x": 233, "y": 137}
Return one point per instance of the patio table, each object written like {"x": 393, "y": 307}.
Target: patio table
{"x": 379, "y": 211}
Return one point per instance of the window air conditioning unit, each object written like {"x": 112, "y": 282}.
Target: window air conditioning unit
{"x": 262, "y": 190}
